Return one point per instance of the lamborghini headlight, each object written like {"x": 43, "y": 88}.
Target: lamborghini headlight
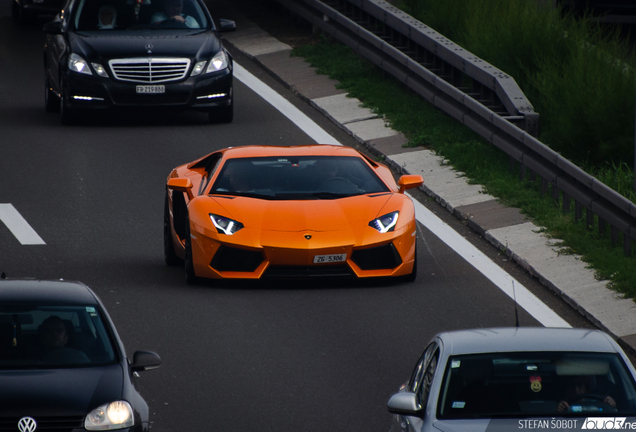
{"x": 218, "y": 62}
{"x": 385, "y": 223}
{"x": 225, "y": 225}
{"x": 114, "y": 415}
{"x": 78, "y": 64}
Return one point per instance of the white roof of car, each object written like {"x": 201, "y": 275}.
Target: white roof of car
{"x": 526, "y": 339}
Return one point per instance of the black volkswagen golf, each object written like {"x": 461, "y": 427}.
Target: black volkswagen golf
{"x": 137, "y": 54}
{"x": 62, "y": 365}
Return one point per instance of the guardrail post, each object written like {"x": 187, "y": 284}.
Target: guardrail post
{"x": 556, "y": 194}
{"x": 566, "y": 203}
{"x": 614, "y": 235}
{"x": 602, "y": 226}
{"x": 578, "y": 211}
{"x": 590, "y": 219}
{"x": 627, "y": 245}
{"x": 544, "y": 186}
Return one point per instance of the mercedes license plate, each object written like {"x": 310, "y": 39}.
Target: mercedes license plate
{"x": 152, "y": 89}
{"x": 322, "y": 259}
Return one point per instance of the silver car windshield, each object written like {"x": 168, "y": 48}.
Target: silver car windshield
{"x": 53, "y": 337}
{"x": 536, "y": 384}
{"x": 297, "y": 178}
{"x": 107, "y": 16}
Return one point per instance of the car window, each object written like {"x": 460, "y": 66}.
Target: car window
{"x": 111, "y": 15}
{"x": 53, "y": 337}
{"x": 297, "y": 178}
{"x": 536, "y": 384}
{"x": 210, "y": 169}
{"x": 422, "y": 377}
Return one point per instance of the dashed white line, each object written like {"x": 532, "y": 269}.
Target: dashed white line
{"x": 18, "y": 226}
{"x": 528, "y": 301}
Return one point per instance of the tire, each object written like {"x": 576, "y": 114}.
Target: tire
{"x": 15, "y": 10}
{"x": 51, "y": 101}
{"x": 168, "y": 246}
{"x": 190, "y": 277}
{"x": 222, "y": 114}
{"x": 69, "y": 117}
{"x": 22, "y": 15}
{"x": 413, "y": 275}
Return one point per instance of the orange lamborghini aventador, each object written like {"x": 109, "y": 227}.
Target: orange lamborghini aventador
{"x": 284, "y": 212}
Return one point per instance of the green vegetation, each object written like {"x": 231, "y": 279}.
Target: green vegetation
{"x": 482, "y": 163}
{"x": 580, "y": 76}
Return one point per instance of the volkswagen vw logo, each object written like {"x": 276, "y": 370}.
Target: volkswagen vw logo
{"x": 27, "y": 424}
{"x": 149, "y": 47}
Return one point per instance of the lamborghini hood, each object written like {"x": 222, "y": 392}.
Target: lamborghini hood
{"x": 308, "y": 215}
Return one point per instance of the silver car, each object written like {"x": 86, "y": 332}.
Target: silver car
{"x": 517, "y": 378}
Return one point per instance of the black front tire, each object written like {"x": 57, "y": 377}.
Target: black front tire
{"x": 223, "y": 114}
{"x": 413, "y": 275}
{"x": 69, "y": 116}
{"x": 190, "y": 277}
{"x": 19, "y": 13}
{"x": 51, "y": 100}
{"x": 168, "y": 246}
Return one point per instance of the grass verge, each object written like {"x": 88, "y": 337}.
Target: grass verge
{"x": 482, "y": 163}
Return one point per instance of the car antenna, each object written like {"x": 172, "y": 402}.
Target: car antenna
{"x": 514, "y": 296}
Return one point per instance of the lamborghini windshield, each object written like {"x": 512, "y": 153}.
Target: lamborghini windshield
{"x": 297, "y": 178}
{"x": 113, "y": 15}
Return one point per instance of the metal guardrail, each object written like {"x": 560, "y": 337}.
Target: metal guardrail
{"x": 475, "y": 93}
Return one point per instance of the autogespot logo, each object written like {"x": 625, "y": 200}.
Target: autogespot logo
{"x": 27, "y": 424}
{"x": 605, "y": 423}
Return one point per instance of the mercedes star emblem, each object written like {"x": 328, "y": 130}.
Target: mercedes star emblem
{"x": 149, "y": 48}
{"x": 27, "y": 424}
{"x": 307, "y": 236}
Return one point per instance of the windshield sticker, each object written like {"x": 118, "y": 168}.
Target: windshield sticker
{"x": 535, "y": 384}
{"x": 91, "y": 311}
{"x": 455, "y": 364}
{"x": 458, "y": 404}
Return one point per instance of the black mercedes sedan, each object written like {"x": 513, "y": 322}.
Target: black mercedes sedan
{"x": 137, "y": 54}
{"x": 62, "y": 365}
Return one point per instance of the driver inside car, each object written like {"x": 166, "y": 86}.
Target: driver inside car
{"x": 580, "y": 388}
{"x": 173, "y": 12}
{"x": 107, "y": 17}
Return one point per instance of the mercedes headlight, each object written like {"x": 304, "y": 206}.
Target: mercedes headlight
{"x": 78, "y": 64}
{"x": 218, "y": 62}
{"x": 225, "y": 225}
{"x": 114, "y": 415}
{"x": 385, "y": 223}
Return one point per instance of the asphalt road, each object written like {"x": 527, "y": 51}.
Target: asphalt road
{"x": 309, "y": 356}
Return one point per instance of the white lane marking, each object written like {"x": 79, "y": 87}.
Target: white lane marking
{"x": 18, "y": 226}
{"x": 461, "y": 246}
{"x": 297, "y": 117}
{"x": 488, "y": 268}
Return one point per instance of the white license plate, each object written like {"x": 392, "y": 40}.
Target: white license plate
{"x": 322, "y": 259}
{"x": 151, "y": 89}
